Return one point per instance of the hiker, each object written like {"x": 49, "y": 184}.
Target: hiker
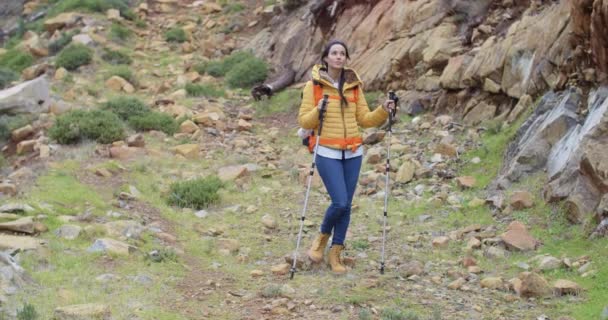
{"x": 340, "y": 153}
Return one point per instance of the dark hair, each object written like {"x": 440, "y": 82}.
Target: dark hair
{"x": 325, "y": 54}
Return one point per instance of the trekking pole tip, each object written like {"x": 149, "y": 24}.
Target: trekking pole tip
{"x": 382, "y": 268}
{"x": 293, "y": 271}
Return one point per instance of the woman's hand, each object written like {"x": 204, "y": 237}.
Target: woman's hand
{"x": 389, "y": 106}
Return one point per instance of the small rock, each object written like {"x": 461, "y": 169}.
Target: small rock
{"x": 466, "y": 182}
{"x": 269, "y": 222}
{"x": 441, "y": 242}
{"x": 521, "y": 200}
{"x": 565, "y": 287}
{"x": 457, "y": 284}
{"x": 256, "y": 273}
{"x": 281, "y": 269}
{"x": 549, "y": 263}
{"x": 492, "y": 283}
{"x": 517, "y": 237}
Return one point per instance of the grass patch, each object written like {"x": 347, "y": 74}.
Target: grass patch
{"x": 176, "y": 35}
{"x": 16, "y": 60}
{"x": 284, "y": 101}
{"x": 397, "y": 314}
{"x": 123, "y": 71}
{"x": 74, "y": 56}
{"x": 7, "y": 76}
{"x": 196, "y": 194}
{"x": 9, "y": 123}
{"x": 119, "y": 32}
{"x": 116, "y": 57}
{"x": 98, "y": 125}
{"x": 126, "y": 107}
{"x": 154, "y": 121}
{"x": 494, "y": 143}
{"x": 203, "y": 90}
{"x": 247, "y": 73}
{"x": 64, "y": 39}
{"x": 28, "y": 312}
{"x": 373, "y": 99}
{"x": 88, "y": 5}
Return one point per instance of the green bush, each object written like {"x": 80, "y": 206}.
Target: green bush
{"x": 28, "y": 312}
{"x": 219, "y": 68}
{"x": 235, "y": 7}
{"x": 6, "y": 77}
{"x": 9, "y": 123}
{"x": 200, "y": 90}
{"x": 99, "y": 125}
{"x": 116, "y": 57}
{"x": 200, "y": 67}
{"x": 88, "y": 5}
{"x": 284, "y": 101}
{"x": 74, "y": 56}
{"x": 196, "y": 194}
{"x": 396, "y": 314}
{"x": 176, "y": 35}
{"x": 64, "y": 40}
{"x": 16, "y": 60}
{"x": 247, "y": 69}
{"x": 127, "y": 107}
{"x": 119, "y": 32}
{"x": 122, "y": 71}
{"x": 247, "y": 73}
{"x": 140, "y": 23}
{"x": 215, "y": 69}
{"x": 154, "y": 121}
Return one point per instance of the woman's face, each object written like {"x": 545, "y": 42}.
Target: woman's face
{"x": 336, "y": 58}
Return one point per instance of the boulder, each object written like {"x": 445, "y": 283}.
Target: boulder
{"x": 27, "y": 97}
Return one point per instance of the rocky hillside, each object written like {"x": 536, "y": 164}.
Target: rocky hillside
{"x": 140, "y": 179}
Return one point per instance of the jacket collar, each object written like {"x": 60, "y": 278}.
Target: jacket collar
{"x": 351, "y": 78}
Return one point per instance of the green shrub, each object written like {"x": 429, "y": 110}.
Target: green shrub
{"x": 28, "y": 312}
{"x": 64, "y": 40}
{"x": 196, "y": 194}
{"x": 215, "y": 69}
{"x": 16, "y": 60}
{"x": 200, "y": 67}
{"x": 199, "y": 90}
{"x": 235, "y": 7}
{"x": 271, "y": 291}
{"x": 127, "y": 107}
{"x": 9, "y": 123}
{"x": 119, "y": 32}
{"x": 372, "y": 98}
{"x": 122, "y": 71}
{"x": 154, "y": 121}
{"x": 365, "y": 314}
{"x": 116, "y": 57}
{"x": 140, "y": 23}
{"x": 176, "y": 35}
{"x": 74, "y": 56}
{"x": 6, "y": 77}
{"x": 88, "y": 5}
{"x": 284, "y": 101}
{"x": 396, "y": 314}
{"x": 247, "y": 73}
{"x": 99, "y": 125}
{"x": 219, "y": 68}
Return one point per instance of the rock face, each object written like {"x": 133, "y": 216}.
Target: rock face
{"x": 578, "y": 165}
{"x": 388, "y": 36}
{"x": 552, "y": 118}
{"x": 571, "y": 149}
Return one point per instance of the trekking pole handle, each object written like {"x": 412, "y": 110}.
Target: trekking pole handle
{"x": 395, "y": 98}
{"x": 322, "y": 111}
{"x": 323, "y": 106}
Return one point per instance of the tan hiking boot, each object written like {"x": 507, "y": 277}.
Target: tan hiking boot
{"x": 318, "y": 247}
{"x": 334, "y": 259}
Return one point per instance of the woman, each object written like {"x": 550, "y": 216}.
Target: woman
{"x": 340, "y": 153}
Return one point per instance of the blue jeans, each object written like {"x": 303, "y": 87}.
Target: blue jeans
{"x": 340, "y": 179}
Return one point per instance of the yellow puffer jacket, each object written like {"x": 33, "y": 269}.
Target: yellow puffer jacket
{"x": 339, "y": 122}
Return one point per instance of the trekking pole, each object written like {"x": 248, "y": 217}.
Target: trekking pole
{"x": 391, "y": 115}
{"x": 311, "y": 173}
